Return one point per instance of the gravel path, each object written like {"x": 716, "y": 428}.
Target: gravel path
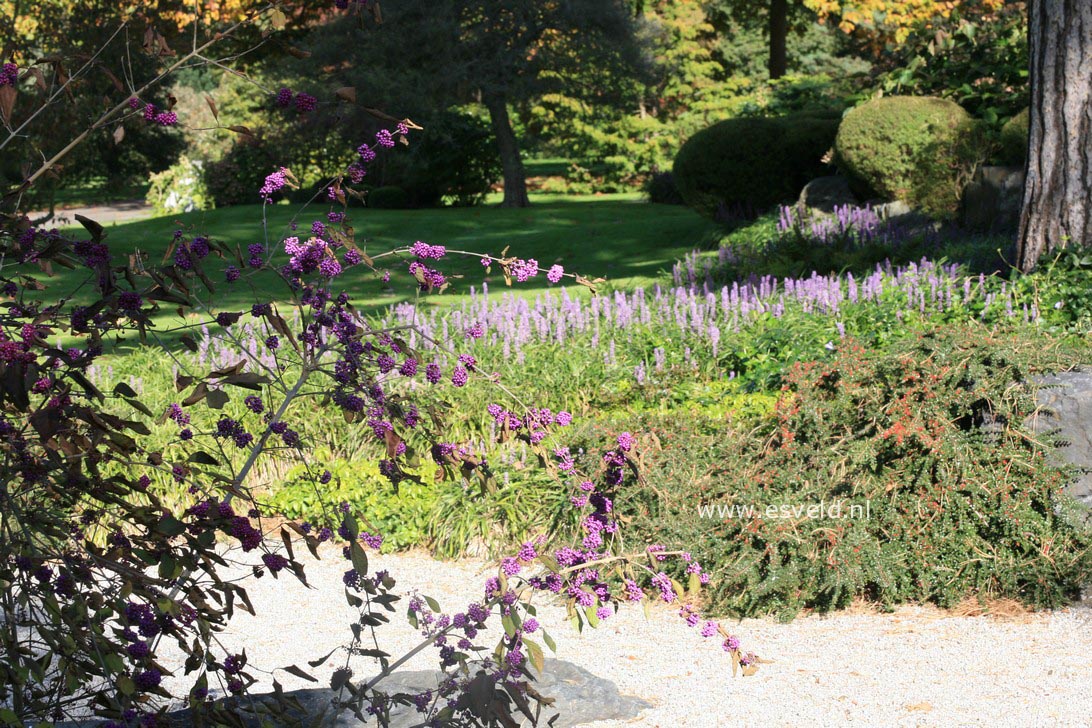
{"x": 918, "y": 666}
{"x": 114, "y": 212}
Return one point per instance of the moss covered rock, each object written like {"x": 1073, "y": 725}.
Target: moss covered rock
{"x": 919, "y": 149}
{"x": 753, "y": 163}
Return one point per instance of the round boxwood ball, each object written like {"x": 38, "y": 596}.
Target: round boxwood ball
{"x": 753, "y": 163}
{"x": 919, "y": 149}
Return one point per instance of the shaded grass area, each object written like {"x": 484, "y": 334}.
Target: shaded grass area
{"x": 93, "y": 192}
{"x": 616, "y": 237}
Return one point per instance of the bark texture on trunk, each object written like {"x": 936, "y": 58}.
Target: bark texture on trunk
{"x": 515, "y": 181}
{"x": 1057, "y": 207}
{"x": 779, "y": 34}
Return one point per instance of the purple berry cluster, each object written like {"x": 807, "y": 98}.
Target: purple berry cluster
{"x": 523, "y": 270}
{"x": 154, "y": 115}
{"x": 304, "y": 102}
{"x": 9, "y": 74}
{"x": 274, "y": 182}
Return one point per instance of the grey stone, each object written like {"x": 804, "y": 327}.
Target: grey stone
{"x": 894, "y": 210}
{"x": 826, "y": 193}
{"x": 992, "y": 201}
{"x": 580, "y": 697}
{"x": 1065, "y": 410}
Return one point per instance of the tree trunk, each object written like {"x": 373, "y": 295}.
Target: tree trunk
{"x": 1057, "y": 208}
{"x": 779, "y": 34}
{"x": 515, "y": 181}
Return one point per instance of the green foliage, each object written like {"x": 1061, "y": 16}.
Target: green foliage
{"x": 927, "y": 436}
{"x": 752, "y": 163}
{"x": 977, "y": 57}
{"x": 516, "y": 508}
{"x": 1014, "y": 140}
{"x": 444, "y": 55}
{"x": 922, "y": 150}
{"x": 58, "y": 39}
{"x": 388, "y": 198}
{"x": 661, "y": 189}
{"x": 743, "y": 47}
{"x": 401, "y": 515}
{"x": 179, "y": 188}
{"x": 236, "y": 178}
{"x": 208, "y": 137}
{"x": 1060, "y": 291}
{"x": 454, "y": 160}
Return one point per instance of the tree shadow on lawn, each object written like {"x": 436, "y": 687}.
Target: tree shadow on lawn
{"x": 625, "y": 241}
{"x": 628, "y": 242}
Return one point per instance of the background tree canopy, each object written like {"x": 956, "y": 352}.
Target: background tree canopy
{"x": 604, "y": 94}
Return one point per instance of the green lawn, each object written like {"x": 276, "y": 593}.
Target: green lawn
{"x": 617, "y": 237}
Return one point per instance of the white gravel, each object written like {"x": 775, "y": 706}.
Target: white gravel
{"x": 916, "y": 667}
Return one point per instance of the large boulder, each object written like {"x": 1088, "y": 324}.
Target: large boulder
{"x": 580, "y": 698}
{"x": 1065, "y": 411}
{"x": 824, "y": 194}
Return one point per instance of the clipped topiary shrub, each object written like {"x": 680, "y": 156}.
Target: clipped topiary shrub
{"x": 753, "y": 163}
{"x": 919, "y": 149}
{"x": 388, "y": 198}
{"x": 1014, "y": 140}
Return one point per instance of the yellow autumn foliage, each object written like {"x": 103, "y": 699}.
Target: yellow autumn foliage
{"x": 887, "y": 20}
{"x": 30, "y": 21}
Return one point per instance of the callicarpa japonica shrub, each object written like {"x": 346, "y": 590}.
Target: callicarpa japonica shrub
{"x": 101, "y": 572}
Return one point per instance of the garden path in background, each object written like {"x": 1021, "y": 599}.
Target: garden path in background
{"x": 917, "y": 666}
{"x": 113, "y": 212}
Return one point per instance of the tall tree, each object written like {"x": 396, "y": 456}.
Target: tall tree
{"x": 876, "y": 23}
{"x": 434, "y": 53}
{"x": 779, "y": 38}
{"x": 506, "y": 46}
{"x": 1057, "y": 207}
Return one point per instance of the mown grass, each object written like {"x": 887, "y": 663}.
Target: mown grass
{"x": 615, "y": 237}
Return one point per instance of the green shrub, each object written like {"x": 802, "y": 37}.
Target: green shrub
{"x": 401, "y": 516}
{"x": 453, "y": 161}
{"x": 236, "y": 178}
{"x": 1014, "y": 140}
{"x": 922, "y": 150}
{"x": 753, "y": 163}
{"x": 179, "y": 188}
{"x": 388, "y": 198}
{"x": 928, "y": 437}
{"x": 974, "y": 56}
{"x": 661, "y": 189}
